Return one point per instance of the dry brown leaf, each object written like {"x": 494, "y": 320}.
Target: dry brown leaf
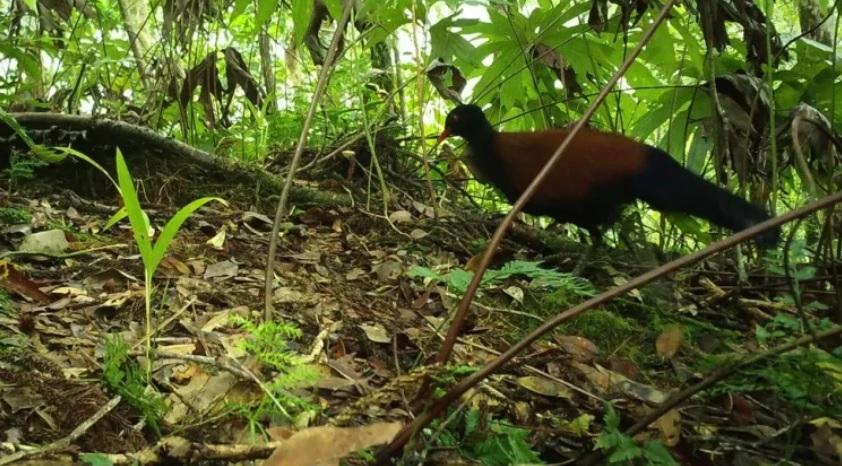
{"x": 326, "y": 445}
{"x": 581, "y": 349}
{"x": 544, "y": 386}
{"x": 447, "y": 79}
{"x": 669, "y": 426}
{"x": 15, "y": 281}
{"x": 669, "y": 342}
{"x": 625, "y": 367}
{"x": 473, "y": 262}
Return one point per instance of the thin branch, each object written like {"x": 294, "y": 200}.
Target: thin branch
{"x": 281, "y": 212}
{"x": 65, "y": 442}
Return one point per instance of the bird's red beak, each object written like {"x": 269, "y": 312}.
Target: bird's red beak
{"x": 444, "y": 135}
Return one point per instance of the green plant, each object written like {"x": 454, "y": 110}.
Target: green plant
{"x": 269, "y": 343}
{"x": 6, "y": 304}
{"x": 621, "y": 448}
{"x": 151, "y": 253}
{"x": 14, "y": 216}
{"x": 491, "y": 442}
{"x": 22, "y": 167}
{"x": 808, "y": 378}
{"x": 457, "y": 279}
{"x": 124, "y": 376}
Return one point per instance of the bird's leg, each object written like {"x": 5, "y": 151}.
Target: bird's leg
{"x": 596, "y": 242}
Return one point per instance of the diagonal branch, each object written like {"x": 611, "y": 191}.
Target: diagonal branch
{"x": 281, "y": 212}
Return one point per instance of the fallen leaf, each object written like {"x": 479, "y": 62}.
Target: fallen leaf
{"x": 669, "y": 426}
{"x": 326, "y": 445}
{"x": 218, "y": 240}
{"x": 581, "y": 349}
{"x": 15, "y": 281}
{"x": 376, "y": 333}
{"x": 226, "y": 268}
{"x": 388, "y": 270}
{"x": 417, "y": 234}
{"x": 400, "y": 216}
{"x": 669, "y": 342}
{"x": 625, "y": 367}
{"x": 515, "y": 293}
{"x": 544, "y": 386}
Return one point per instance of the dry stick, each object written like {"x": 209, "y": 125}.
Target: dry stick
{"x": 462, "y": 311}
{"x": 715, "y": 376}
{"x": 65, "y": 442}
{"x": 456, "y": 391}
{"x": 280, "y": 213}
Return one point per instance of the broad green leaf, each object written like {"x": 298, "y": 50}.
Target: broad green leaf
{"x": 301, "y": 11}
{"x": 334, "y": 7}
{"x": 139, "y": 222}
{"x": 265, "y": 8}
{"x": 171, "y": 228}
{"x": 240, "y": 8}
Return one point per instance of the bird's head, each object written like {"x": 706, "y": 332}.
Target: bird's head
{"x": 465, "y": 121}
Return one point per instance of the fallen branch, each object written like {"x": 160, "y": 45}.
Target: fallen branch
{"x": 65, "y": 442}
{"x": 182, "y": 451}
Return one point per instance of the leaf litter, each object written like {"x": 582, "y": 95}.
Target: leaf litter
{"x": 344, "y": 278}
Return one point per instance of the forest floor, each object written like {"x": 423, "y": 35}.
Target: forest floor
{"x": 371, "y": 298}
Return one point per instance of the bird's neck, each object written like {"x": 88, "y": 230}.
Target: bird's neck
{"x": 485, "y": 159}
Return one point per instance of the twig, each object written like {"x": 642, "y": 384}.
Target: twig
{"x": 280, "y": 213}
{"x": 179, "y": 450}
{"x": 65, "y": 442}
{"x": 455, "y": 392}
{"x": 712, "y": 378}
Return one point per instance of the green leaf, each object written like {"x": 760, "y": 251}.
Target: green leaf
{"x": 334, "y": 7}
{"x": 656, "y": 453}
{"x": 116, "y": 218}
{"x": 96, "y": 459}
{"x": 301, "y": 12}
{"x": 137, "y": 218}
{"x": 240, "y": 8}
{"x": 265, "y": 8}
{"x": 171, "y": 228}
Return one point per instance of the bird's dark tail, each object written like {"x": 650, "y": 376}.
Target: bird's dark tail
{"x": 667, "y": 186}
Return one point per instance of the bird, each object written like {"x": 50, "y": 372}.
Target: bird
{"x": 599, "y": 174}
